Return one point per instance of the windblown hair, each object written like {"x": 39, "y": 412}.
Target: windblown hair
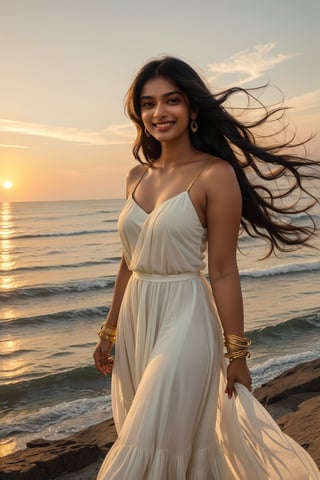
{"x": 265, "y": 213}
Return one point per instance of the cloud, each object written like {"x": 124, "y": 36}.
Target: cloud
{"x": 4, "y": 145}
{"x": 250, "y": 64}
{"x": 305, "y": 110}
{"x": 111, "y": 135}
{"x": 306, "y": 102}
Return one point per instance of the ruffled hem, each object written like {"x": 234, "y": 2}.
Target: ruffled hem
{"x": 133, "y": 462}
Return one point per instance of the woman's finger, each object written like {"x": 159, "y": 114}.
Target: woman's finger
{"x": 229, "y": 388}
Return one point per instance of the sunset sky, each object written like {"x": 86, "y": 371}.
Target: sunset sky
{"x": 67, "y": 64}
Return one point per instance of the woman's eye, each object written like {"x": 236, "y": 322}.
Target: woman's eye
{"x": 173, "y": 101}
{"x": 147, "y": 105}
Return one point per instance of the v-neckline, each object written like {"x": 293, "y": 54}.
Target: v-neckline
{"x": 158, "y": 206}
{"x": 148, "y": 214}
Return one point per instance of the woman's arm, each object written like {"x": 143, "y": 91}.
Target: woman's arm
{"x": 101, "y": 353}
{"x": 224, "y": 207}
{"x": 122, "y": 279}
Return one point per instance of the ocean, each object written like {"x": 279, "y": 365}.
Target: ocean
{"x": 58, "y": 264}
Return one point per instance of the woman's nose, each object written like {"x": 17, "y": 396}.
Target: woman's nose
{"x": 159, "y": 111}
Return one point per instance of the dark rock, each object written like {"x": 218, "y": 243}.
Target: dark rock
{"x": 45, "y": 463}
{"x": 38, "y": 442}
{"x": 293, "y": 399}
{"x": 304, "y": 426}
{"x": 45, "y": 460}
{"x": 302, "y": 379}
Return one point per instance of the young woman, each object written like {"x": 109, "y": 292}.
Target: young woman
{"x": 180, "y": 412}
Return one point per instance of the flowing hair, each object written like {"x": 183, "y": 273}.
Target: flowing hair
{"x": 264, "y": 213}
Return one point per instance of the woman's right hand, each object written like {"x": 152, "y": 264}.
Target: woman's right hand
{"x": 102, "y": 359}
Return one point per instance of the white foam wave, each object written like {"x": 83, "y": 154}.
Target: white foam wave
{"x": 59, "y": 419}
{"x": 269, "y": 369}
{"x": 282, "y": 269}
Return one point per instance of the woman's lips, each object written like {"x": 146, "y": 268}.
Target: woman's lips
{"x": 163, "y": 125}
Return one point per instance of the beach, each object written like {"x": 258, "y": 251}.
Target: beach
{"x": 293, "y": 399}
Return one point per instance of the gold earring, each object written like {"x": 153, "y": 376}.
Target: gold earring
{"x": 193, "y": 126}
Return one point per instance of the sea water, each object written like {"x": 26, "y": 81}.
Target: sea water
{"x": 58, "y": 262}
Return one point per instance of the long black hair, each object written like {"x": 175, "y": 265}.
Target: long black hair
{"x": 221, "y": 134}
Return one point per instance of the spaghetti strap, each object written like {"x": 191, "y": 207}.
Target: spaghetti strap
{"x": 141, "y": 177}
{"x": 196, "y": 177}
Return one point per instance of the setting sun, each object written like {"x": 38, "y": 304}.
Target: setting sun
{"x": 7, "y": 184}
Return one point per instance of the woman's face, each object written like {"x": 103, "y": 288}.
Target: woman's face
{"x": 165, "y": 110}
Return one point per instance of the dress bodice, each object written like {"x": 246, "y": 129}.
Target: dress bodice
{"x": 169, "y": 240}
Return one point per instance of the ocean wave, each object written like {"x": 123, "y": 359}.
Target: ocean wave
{"x": 269, "y": 369}
{"x": 78, "y": 379}
{"x": 62, "y": 234}
{"x": 16, "y": 353}
{"x": 109, "y": 211}
{"x": 62, "y": 266}
{"x": 289, "y": 268}
{"x": 70, "y": 315}
{"x": 58, "y": 289}
{"x": 35, "y": 420}
{"x": 288, "y": 329}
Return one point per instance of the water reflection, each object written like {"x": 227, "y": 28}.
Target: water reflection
{"x": 13, "y": 361}
{"x": 7, "y": 446}
{"x": 7, "y": 262}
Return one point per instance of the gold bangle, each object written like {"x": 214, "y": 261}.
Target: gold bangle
{"x": 111, "y": 328}
{"x": 239, "y": 354}
{"x": 236, "y": 340}
{"x": 107, "y": 332}
{"x": 105, "y": 336}
{"x": 237, "y": 347}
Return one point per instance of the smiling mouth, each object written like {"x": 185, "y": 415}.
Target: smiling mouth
{"x": 164, "y": 124}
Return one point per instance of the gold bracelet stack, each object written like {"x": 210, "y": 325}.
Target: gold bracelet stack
{"x": 237, "y": 347}
{"x": 107, "y": 332}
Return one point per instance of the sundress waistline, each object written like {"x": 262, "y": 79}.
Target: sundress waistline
{"x": 153, "y": 277}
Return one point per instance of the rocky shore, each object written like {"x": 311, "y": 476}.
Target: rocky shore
{"x": 292, "y": 398}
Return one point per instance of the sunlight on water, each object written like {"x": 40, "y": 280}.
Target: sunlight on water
{"x": 9, "y": 346}
{"x": 7, "y": 447}
{"x": 6, "y": 247}
{"x": 13, "y": 365}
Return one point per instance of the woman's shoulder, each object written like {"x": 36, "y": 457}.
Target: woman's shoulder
{"x": 134, "y": 175}
{"x": 136, "y": 172}
{"x": 218, "y": 169}
{"x": 218, "y": 178}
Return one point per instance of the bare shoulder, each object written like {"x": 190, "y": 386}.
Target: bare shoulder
{"x": 133, "y": 176}
{"x": 219, "y": 169}
{"x": 219, "y": 176}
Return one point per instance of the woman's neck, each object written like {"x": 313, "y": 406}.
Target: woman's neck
{"x": 175, "y": 154}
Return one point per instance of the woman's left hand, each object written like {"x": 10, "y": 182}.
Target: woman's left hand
{"x": 238, "y": 371}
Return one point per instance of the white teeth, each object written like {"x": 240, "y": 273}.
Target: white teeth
{"x": 167, "y": 124}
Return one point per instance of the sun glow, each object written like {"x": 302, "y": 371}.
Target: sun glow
{"x": 7, "y": 184}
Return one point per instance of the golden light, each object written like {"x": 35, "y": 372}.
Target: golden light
{"x": 7, "y": 262}
{"x": 7, "y": 184}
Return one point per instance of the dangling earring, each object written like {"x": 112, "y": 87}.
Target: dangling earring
{"x": 193, "y": 126}
{"x": 147, "y": 133}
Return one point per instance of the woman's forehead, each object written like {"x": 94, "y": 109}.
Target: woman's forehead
{"x": 158, "y": 86}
